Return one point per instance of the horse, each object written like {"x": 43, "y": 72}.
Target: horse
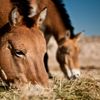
{"x": 59, "y": 25}
{"x": 22, "y": 51}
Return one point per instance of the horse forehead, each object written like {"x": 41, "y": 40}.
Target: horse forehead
{"x": 27, "y": 38}
{"x": 20, "y": 29}
{"x": 21, "y": 35}
{"x": 26, "y": 32}
{"x": 70, "y": 42}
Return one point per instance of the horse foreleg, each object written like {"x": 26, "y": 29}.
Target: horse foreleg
{"x": 46, "y": 65}
{"x": 60, "y": 56}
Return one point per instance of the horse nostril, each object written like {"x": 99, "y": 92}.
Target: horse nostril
{"x": 75, "y": 73}
{"x": 75, "y": 76}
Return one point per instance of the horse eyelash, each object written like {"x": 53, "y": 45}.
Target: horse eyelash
{"x": 19, "y": 53}
{"x": 14, "y": 51}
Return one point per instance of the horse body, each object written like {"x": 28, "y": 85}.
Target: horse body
{"x": 54, "y": 23}
{"x": 59, "y": 25}
{"x": 22, "y": 51}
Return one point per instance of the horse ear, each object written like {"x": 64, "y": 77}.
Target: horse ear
{"x": 77, "y": 37}
{"x": 41, "y": 17}
{"x": 14, "y": 17}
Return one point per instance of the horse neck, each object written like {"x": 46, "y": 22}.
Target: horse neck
{"x": 53, "y": 21}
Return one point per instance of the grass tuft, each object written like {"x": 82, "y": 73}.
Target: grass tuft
{"x": 60, "y": 89}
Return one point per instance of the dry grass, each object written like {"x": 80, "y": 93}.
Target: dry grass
{"x": 80, "y": 89}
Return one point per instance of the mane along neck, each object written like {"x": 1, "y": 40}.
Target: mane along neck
{"x": 64, "y": 16}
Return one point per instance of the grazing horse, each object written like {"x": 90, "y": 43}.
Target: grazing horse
{"x": 22, "y": 50}
{"x": 59, "y": 25}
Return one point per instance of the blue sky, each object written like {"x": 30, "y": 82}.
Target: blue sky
{"x": 85, "y": 15}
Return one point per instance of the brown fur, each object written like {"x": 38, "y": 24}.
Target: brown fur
{"x": 55, "y": 26}
{"x": 5, "y": 8}
{"x": 22, "y": 51}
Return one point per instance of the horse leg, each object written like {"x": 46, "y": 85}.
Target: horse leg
{"x": 60, "y": 56}
{"x": 46, "y": 65}
{"x": 46, "y": 57}
{"x": 63, "y": 69}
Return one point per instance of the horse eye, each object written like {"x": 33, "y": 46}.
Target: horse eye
{"x": 19, "y": 53}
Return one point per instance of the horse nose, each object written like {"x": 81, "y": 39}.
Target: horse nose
{"x": 75, "y": 74}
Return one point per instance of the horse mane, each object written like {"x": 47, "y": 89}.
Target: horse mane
{"x": 4, "y": 29}
{"x": 24, "y": 9}
{"x": 64, "y": 15}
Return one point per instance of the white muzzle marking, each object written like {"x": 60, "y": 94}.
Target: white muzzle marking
{"x": 73, "y": 73}
{"x": 76, "y": 72}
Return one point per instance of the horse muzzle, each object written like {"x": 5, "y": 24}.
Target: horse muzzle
{"x": 73, "y": 73}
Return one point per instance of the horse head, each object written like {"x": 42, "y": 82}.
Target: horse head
{"x": 68, "y": 55}
{"x": 22, "y": 51}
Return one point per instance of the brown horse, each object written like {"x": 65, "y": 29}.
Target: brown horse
{"x": 22, "y": 51}
{"x": 59, "y": 25}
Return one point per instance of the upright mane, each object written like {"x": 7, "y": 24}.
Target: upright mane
{"x": 24, "y": 9}
{"x": 64, "y": 15}
{"x": 4, "y": 29}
